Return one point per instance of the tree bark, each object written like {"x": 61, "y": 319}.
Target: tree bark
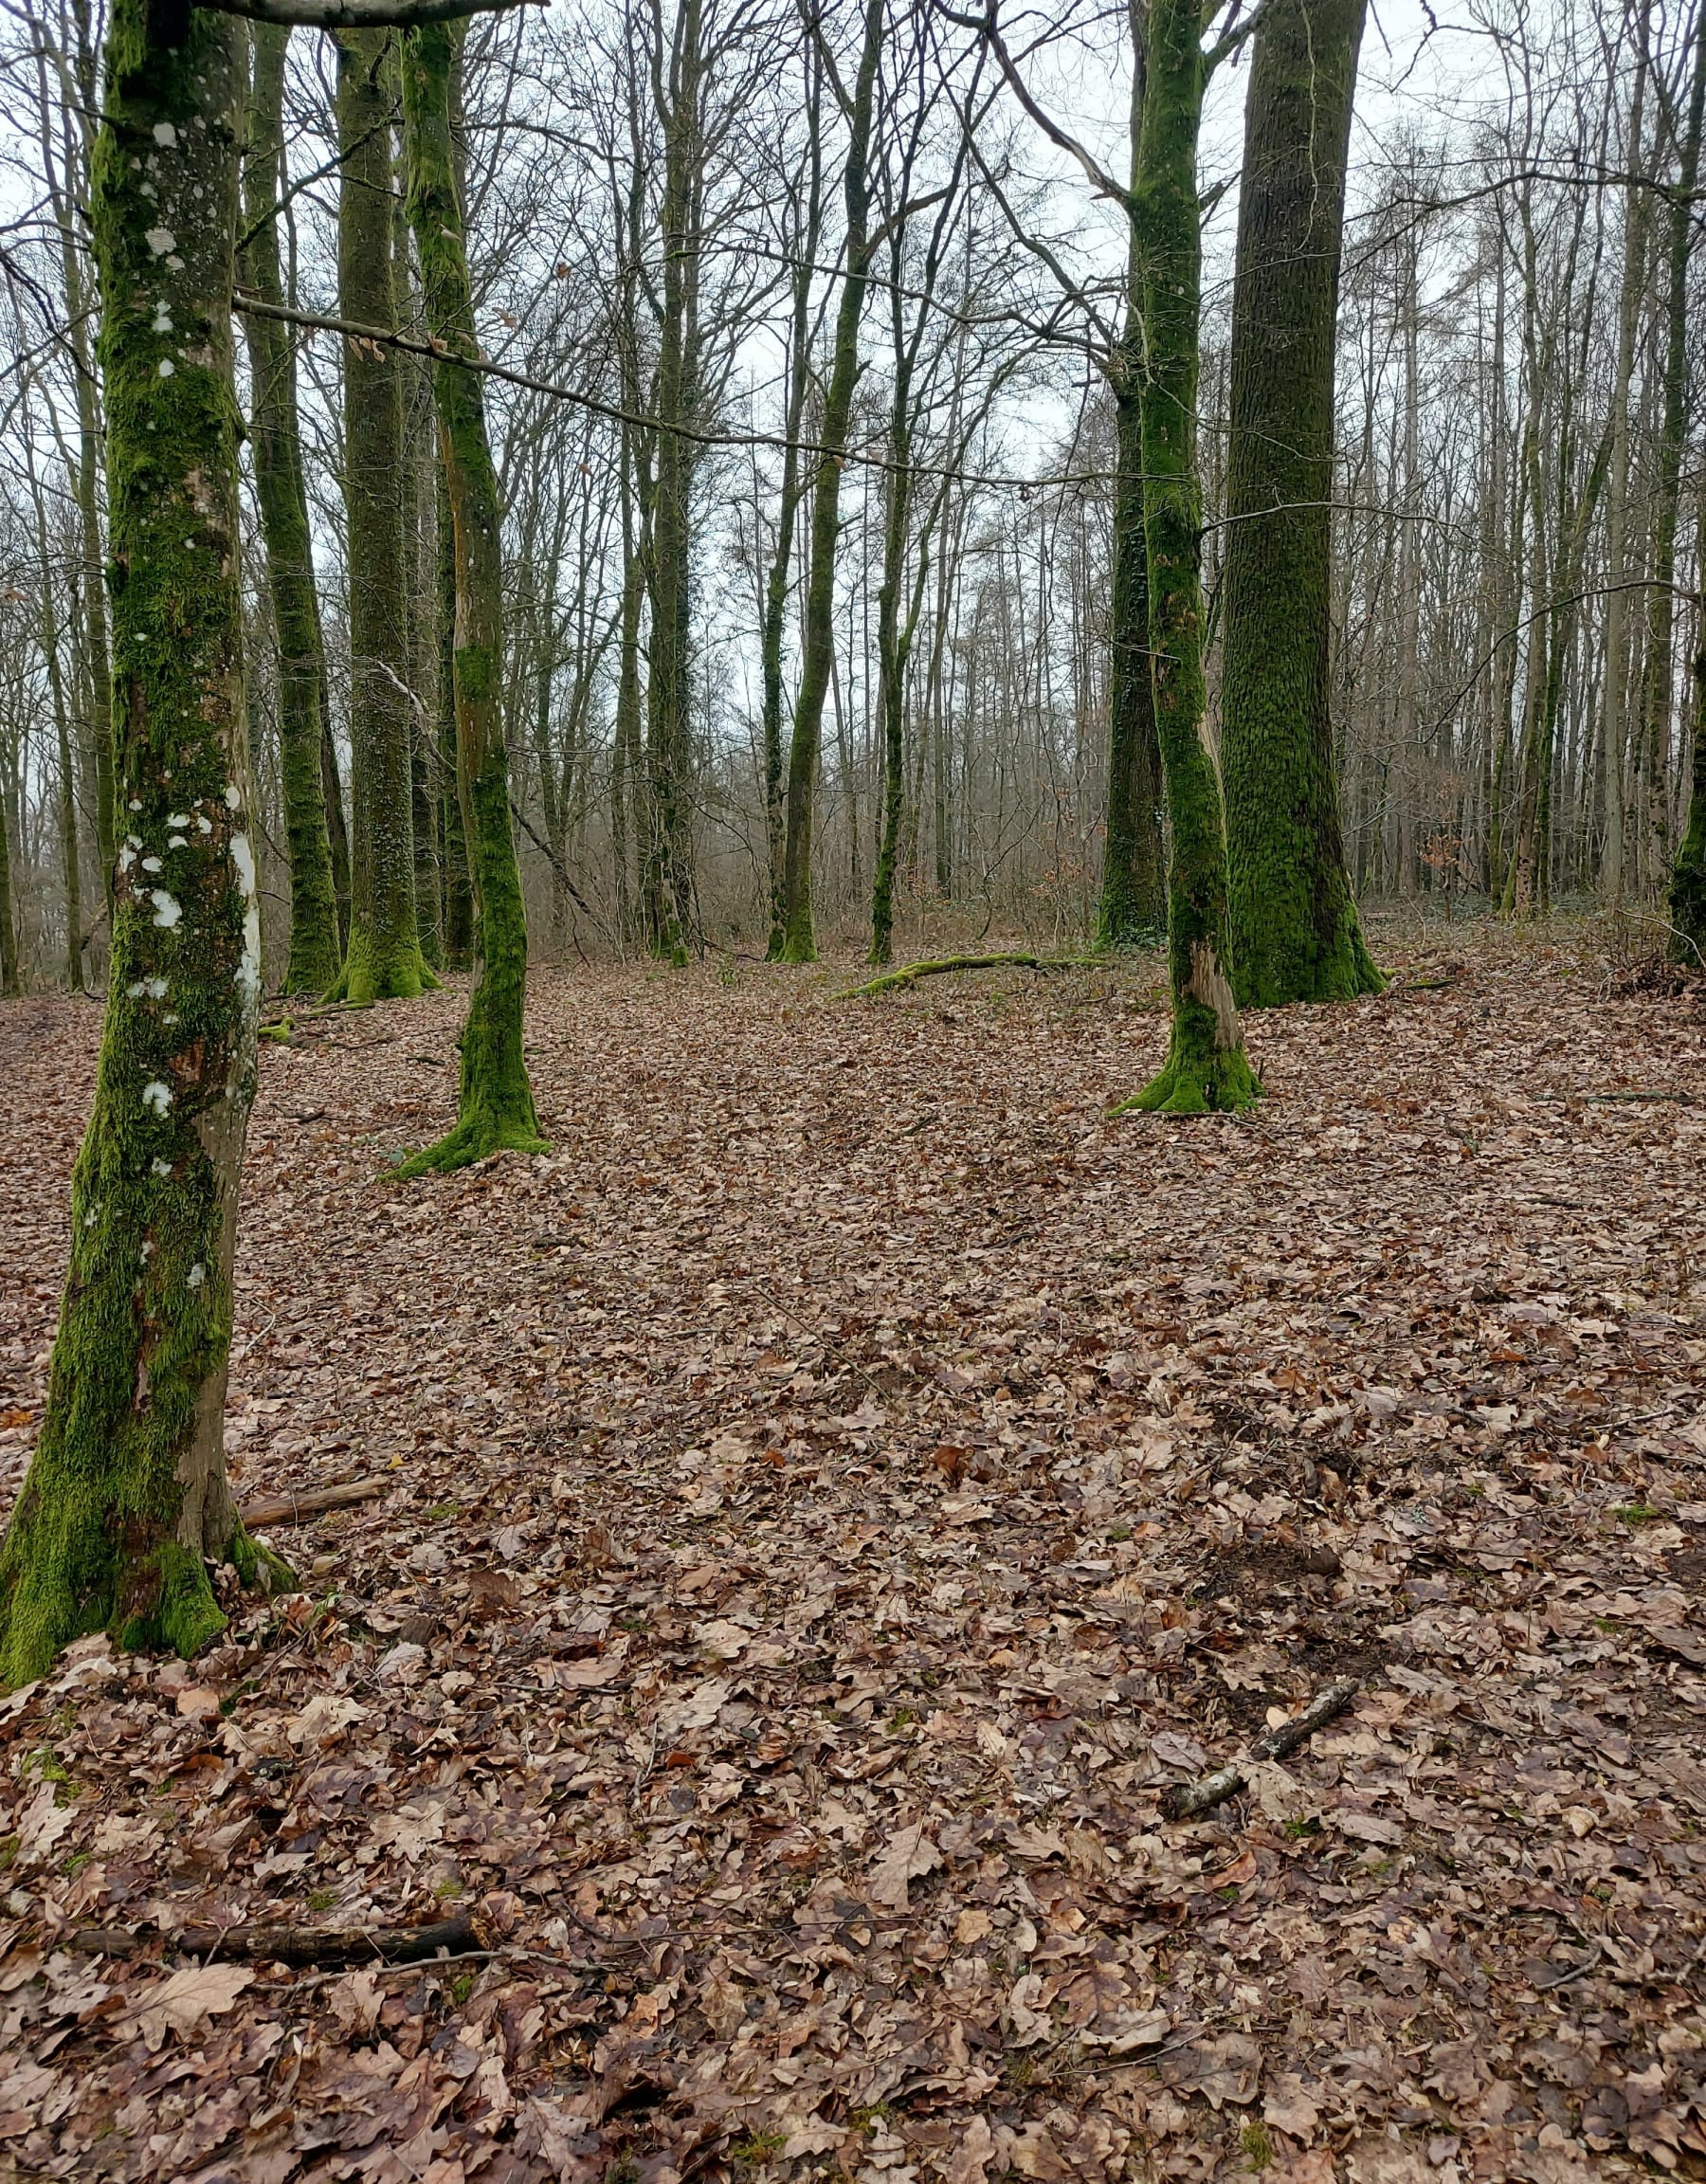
{"x": 1206, "y": 1067}
{"x": 1688, "y": 874}
{"x": 495, "y": 1107}
{"x": 276, "y": 447}
{"x": 126, "y": 1500}
{"x": 1295, "y": 935}
{"x": 384, "y": 956}
{"x": 799, "y": 939}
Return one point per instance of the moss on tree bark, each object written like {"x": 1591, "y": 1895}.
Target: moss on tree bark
{"x": 1206, "y": 1067}
{"x": 496, "y": 1103}
{"x": 1295, "y": 935}
{"x": 126, "y": 1503}
{"x": 275, "y": 442}
{"x": 384, "y": 956}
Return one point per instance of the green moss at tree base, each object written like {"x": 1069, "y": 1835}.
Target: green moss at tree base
{"x": 1197, "y": 1083}
{"x": 369, "y": 973}
{"x": 64, "y": 1575}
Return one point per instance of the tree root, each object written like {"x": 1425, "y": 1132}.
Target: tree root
{"x": 909, "y": 973}
{"x": 476, "y": 1139}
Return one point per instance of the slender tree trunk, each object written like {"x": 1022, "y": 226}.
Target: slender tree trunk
{"x": 496, "y": 1103}
{"x": 276, "y": 446}
{"x": 667, "y": 873}
{"x": 799, "y": 941}
{"x": 9, "y": 927}
{"x": 384, "y": 956}
{"x": 126, "y": 1502}
{"x": 1688, "y": 873}
{"x": 1616, "y": 682}
{"x": 1205, "y": 1066}
{"x": 1132, "y": 904}
{"x": 459, "y": 886}
{"x": 1295, "y": 931}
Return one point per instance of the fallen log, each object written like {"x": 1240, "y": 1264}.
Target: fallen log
{"x": 295, "y": 1508}
{"x": 332, "y": 1947}
{"x": 1189, "y": 1799}
{"x": 935, "y": 967}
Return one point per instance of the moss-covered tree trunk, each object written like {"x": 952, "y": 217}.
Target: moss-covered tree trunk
{"x": 1205, "y": 1066}
{"x": 1295, "y": 935}
{"x": 8, "y": 928}
{"x": 126, "y": 1503}
{"x": 384, "y": 956}
{"x": 275, "y": 442}
{"x": 495, "y": 1105}
{"x": 799, "y": 939}
{"x": 1132, "y": 909}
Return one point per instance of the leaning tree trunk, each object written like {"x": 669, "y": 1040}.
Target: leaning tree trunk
{"x": 1295, "y": 935}
{"x": 126, "y": 1503}
{"x": 799, "y": 939}
{"x": 1205, "y": 1067}
{"x": 496, "y": 1106}
{"x": 275, "y": 442}
{"x": 384, "y": 956}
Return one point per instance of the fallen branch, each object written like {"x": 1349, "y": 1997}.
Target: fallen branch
{"x": 295, "y": 1508}
{"x": 332, "y": 1946}
{"x": 1207, "y": 1791}
{"x": 893, "y": 981}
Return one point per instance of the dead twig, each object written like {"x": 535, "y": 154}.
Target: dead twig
{"x": 295, "y": 1508}
{"x": 333, "y": 1946}
{"x": 909, "y": 973}
{"x": 1190, "y": 1798}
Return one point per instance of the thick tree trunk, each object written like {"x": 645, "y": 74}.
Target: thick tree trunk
{"x": 799, "y": 939}
{"x": 496, "y": 1105}
{"x": 276, "y": 446}
{"x": 126, "y": 1502}
{"x": 1295, "y": 931}
{"x": 384, "y": 955}
{"x": 1205, "y": 1066}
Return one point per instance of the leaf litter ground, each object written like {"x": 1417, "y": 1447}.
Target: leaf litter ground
{"x": 829, "y": 1501}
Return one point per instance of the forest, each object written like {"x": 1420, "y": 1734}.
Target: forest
{"x": 853, "y": 970}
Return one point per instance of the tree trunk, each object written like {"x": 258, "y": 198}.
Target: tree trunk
{"x": 459, "y": 886}
{"x": 1132, "y": 909}
{"x": 384, "y": 956}
{"x": 1295, "y": 931}
{"x": 275, "y": 442}
{"x": 495, "y": 1105}
{"x": 127, "y": 1502}
{"x": 8, "y": 928}
{"x": 1133, "y": 905}
{"x": 1205, "y": 1066}
{"x": 799, "y": 940}
{"x": 666, "y": 888}
{"x": 1688, "y": 874}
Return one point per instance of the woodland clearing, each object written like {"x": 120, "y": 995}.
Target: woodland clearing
{"x": 829, "y": 1500}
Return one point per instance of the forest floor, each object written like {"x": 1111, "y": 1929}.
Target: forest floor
{"x": 827, "y": 1502}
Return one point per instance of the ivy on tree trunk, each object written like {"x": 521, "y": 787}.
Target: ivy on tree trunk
{"x": 127, "y": 1503}
{"x": 496, "y": 1103}
{"x": 1295, "y": 935}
